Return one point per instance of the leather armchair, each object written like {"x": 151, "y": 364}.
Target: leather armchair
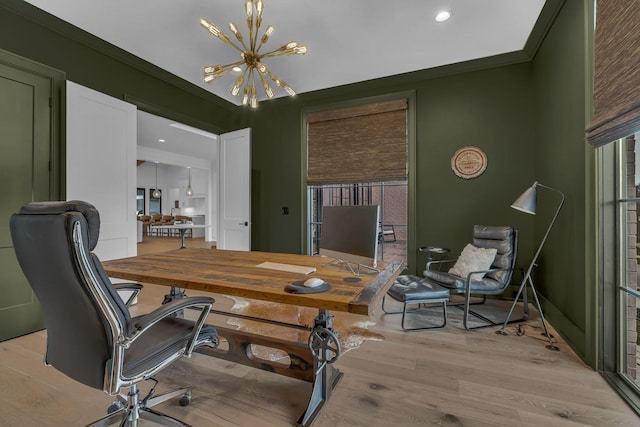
{"x": 493, "y": 281}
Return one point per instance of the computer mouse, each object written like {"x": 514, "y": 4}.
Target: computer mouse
{"x": 313, "y": 282}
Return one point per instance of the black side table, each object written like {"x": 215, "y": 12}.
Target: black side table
{"x": 434, "y": 252}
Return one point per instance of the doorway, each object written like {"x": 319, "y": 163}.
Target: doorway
{"x": 181, "y": 154}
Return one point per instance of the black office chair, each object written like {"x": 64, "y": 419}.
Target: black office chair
{"x": 91, "y": 336}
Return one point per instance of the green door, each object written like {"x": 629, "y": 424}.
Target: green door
{"x": 25, "y": 146}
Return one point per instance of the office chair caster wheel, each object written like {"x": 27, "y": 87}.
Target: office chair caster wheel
{"x": 324, "y": 345}
{"x": 185, "y": 400}
{"x": 115, "y": 406}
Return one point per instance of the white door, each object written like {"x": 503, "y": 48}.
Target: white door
{"x": 101, "y": 165}
{"x": 234, "y": 216}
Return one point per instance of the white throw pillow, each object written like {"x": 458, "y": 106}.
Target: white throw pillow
{"x": 473, "y": 259}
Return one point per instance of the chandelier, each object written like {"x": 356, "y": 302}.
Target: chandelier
{"x": 251, "y": 58}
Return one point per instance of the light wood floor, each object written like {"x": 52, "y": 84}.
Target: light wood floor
{"x": 447, "y": 377}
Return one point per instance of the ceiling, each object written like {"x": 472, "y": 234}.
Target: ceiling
{"x": 347, "y": 41}
{"x": 158, "y": 133}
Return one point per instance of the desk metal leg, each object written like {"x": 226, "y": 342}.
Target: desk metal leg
{"x": 325, "y": 347}
{"x": 176, "y": 293}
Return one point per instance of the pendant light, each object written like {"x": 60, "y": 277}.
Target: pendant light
{"x": 189, "y": 189}
{"x": 156, "y": 193}
{"x": 251, "y": 60}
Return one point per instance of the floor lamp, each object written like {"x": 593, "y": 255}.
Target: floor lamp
{"x": 527, "y": 203}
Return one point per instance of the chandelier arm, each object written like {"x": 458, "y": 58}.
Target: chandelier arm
{"x": 249, "y": 4}
{"x": 227, "y": 40}
{"x": 254, "y": 36}
{"x": 273, "y": 77}
{"x": 287, "y": 52}
{"x": 238, "y": 35}
{"x": 245, "y": 72}
{"x": 265, "y": 84}
{"x": 282, "y": 52}
{"x": 281, "y": 83}
{"x": 254, "y": 99}
{"x": 217, "y": 33}
{"x": 233, "y": 64}
{"x": 275, "y": 52}
{"x": 223, "y": 69}
{"x": 245, "y": 48}
{"x": 236, "y": 46}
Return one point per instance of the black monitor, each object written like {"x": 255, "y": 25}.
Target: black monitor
{"x": 350, "y": 233}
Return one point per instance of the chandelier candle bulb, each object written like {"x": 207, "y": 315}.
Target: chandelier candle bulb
{"x": 254, "y": 100}
{"x": 266, "y": 35}
{"x": 245, "y": 98}
{"x": 237, "y": 33}
{"x": 267, "y": 88}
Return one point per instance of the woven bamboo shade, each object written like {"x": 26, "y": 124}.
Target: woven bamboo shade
{"x": 367, "y": 143}
{"x": 616, "y": 78}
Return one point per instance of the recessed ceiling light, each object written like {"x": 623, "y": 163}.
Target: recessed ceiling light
{"x": 161, "y": 140}
{"x": 443, "y": 15}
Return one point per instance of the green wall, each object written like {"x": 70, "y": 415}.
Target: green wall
{"x": 564, "y": 160}
{"x": 490, "y": 108}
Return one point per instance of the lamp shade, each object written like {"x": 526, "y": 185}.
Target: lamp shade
{"x": 156, "y": 193}
{"x": 527, "y": 201}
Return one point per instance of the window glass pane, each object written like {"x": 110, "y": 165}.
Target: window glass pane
{"x": 630, "y": 245}
{"x": 140, "y": 201}
{"x": 630, "y": 358}
{"x": 393, "y": 202}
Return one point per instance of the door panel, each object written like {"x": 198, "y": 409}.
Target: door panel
{"x": 25, "y": 126}
{"x": 234, "y": 228}
{"x": 101, "y": 165}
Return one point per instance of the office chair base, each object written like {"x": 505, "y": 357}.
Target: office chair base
{"x": 128, "y": 411}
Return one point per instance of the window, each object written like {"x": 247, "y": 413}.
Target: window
{"x": 390, "y": 196}
{"x": 359, "y": 156}
{"x": 621, "y": 300}
{"x": 140, "y": 201}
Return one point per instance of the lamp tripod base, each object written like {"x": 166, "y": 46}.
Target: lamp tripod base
{"x": 546, "y": 333}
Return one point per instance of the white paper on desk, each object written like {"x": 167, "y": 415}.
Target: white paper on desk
{"x": 287, "y": 267}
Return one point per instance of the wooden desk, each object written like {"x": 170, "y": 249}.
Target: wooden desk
{"x": 236, "y": 273}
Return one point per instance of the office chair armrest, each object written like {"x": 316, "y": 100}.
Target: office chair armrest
{"x": 150, "y": 319}
{"x": 133, "y": 287}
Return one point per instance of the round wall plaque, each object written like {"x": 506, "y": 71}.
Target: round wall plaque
{"x": 469, "y": 162}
